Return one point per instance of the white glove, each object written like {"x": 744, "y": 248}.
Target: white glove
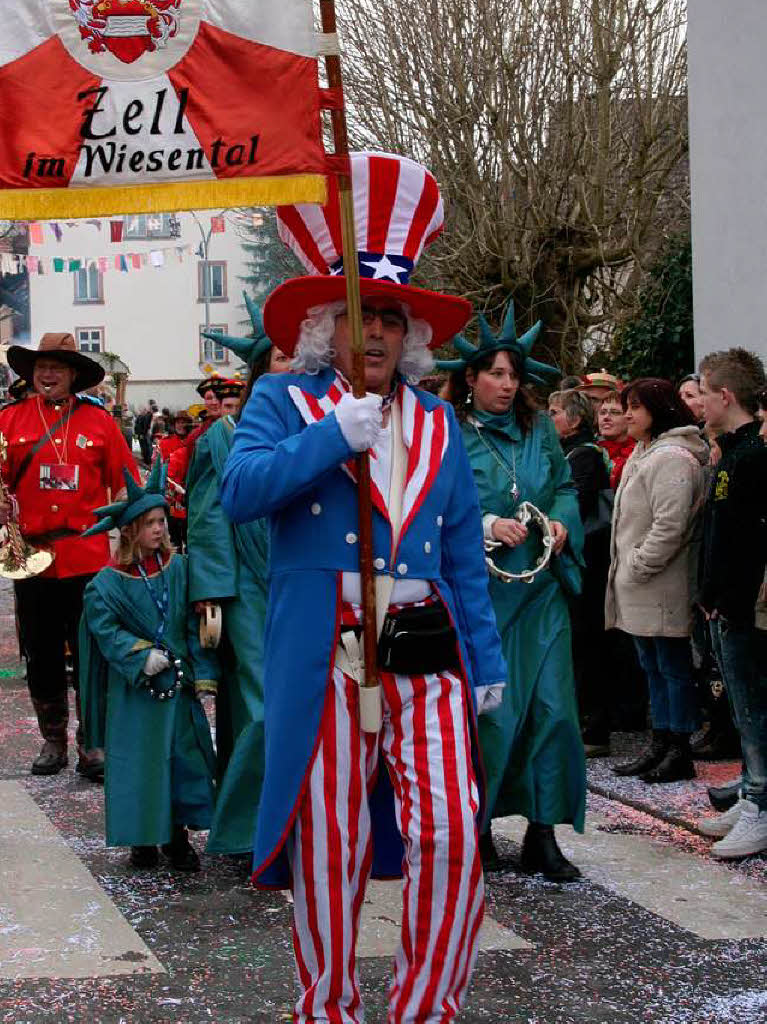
{"x": 489, "y": 697}
{"x": 156, "y": 661}
{"x": 360, "y": 420}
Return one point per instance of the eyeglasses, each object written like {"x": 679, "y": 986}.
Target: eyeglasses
{"x": 391, "y": 319}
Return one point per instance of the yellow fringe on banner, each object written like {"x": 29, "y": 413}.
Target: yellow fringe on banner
{"x": 60, "y": 203}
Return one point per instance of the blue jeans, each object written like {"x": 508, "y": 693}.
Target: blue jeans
{"x": 742, "y": 656}
{"x": 667, "y": 663}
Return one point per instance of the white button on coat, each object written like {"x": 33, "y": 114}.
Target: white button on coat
{"x": 402, "y": 569}
{"x": 440, "y": 520}
{"x": 380, "y": 563}
{"x": 351, "y": 538}
{"x": 427, "y": 547}
{"x": 316, "y": 508}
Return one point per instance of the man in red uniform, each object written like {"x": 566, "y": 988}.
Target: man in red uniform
{"x": 63, "y": 457}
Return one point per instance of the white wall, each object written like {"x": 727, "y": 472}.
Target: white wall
{"x": 728, "y": 162}
{"x": 151, "y": 317}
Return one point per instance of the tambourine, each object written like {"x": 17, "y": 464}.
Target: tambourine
{"x": 526, "y": 513}
{"x": 210, "y": 626}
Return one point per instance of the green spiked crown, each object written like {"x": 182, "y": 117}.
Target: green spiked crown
{"x": 249, "y": 350}
{"x": 138, "y": 501}
{"x": 505, "y": 341}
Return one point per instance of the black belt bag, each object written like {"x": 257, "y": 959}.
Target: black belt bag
{"x": 418, "y": 641}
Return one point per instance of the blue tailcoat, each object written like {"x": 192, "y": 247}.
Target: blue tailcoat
{"x": 290, "y": 462}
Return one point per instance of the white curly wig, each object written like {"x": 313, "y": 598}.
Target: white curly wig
{"x": 314, "y": 351}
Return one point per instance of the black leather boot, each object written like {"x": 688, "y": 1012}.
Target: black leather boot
{"x": 541, "y": 855}
{"x": 649, "y": 758}
{"x": 180, "y": 852}
{"x": 676, "y": 765}
{"x": 144, "y": 857}
{"x": 724, "y": 797}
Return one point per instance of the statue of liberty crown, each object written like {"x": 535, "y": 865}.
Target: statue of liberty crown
{"x": 505, "y": 341}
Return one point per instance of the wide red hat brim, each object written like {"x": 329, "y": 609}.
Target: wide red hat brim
{"x": 289, "y": 303}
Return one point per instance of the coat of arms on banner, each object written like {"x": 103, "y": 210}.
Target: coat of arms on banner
{"x": 127, "y": 28}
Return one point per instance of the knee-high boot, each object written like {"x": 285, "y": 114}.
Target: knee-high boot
{"x": 52, "y": 718}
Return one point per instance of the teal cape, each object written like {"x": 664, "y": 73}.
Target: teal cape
{"x": 228, "y": 564}
{"x": 159, "y": 759}
{"x": 531, "y": 745}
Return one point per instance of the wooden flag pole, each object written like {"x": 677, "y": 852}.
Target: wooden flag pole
{"x": 354, "y": 313}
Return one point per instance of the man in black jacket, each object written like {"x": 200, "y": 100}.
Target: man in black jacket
{"x": 733, "y": 565}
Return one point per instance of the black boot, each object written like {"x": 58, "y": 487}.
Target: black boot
{"x": 180, "y": 851}
{"x": 724, "y": 797}
{"x": 541, "y": 855}
{"x": 488, "y": 854}
{"x": 676, "y": 765}
{"x": 649, "y": 758}
{"x": 144, "y": 857}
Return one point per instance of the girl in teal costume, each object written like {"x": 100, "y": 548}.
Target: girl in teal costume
{"x": 228, "y": 565}
{"x": 531, "y": 744}
{"x": 140, "y": 663}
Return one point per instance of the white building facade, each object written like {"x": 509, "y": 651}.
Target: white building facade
{"x": 728, "y": 163}
{"x": 139, "y": 287}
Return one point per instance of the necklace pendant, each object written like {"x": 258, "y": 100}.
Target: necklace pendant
{"x": 515, "y": 491}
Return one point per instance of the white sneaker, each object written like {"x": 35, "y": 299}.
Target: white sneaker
{"x": 748, "y": 835}
{"x": 721, "y": 824}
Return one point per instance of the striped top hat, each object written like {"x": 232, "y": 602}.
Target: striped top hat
{"x": 398, "y": 212}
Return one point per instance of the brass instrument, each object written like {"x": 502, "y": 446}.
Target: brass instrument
{"x": 526, "y": 513}
{"x": 18, "y": 560}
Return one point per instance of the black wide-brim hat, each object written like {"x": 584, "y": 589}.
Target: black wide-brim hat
{"x": 62, "y": 347}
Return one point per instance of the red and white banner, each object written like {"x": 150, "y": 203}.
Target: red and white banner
{"x": 125, "y": 106}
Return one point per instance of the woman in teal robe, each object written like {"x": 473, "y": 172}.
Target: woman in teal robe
{"x": 228, "y": 566}
{"x": 531, "y": 744}
{"x": 159, "y": 759}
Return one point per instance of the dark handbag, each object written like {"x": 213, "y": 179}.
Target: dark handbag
{"x": 603, "y": 518}
{"x": 604, "y": 514}
{"x": 418, "y": 641}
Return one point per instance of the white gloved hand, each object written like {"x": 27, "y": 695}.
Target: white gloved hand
{"x": 489, "y": 697}
{"x": 360, "y": 420}
{"x": 156, "y": 661}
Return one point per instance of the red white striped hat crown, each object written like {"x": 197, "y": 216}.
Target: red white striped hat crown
{"x": 398, "y": 211}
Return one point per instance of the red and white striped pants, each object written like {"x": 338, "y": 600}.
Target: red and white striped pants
{"x": 426, "y": 747}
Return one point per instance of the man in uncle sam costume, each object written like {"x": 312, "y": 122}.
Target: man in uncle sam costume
{"x": 337, "y": 801}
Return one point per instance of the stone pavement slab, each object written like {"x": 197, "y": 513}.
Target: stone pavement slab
{"x": 55, "y": 920}
{"x": 702, "y": 897}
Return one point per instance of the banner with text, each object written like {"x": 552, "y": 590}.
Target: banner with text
{"x": 129, "y": 106}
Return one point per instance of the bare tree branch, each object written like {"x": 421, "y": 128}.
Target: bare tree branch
{"x": 557, "y": 130}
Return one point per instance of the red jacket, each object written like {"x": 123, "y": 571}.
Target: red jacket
{"x": 618, "y": 451}
{"x": 90, "y": 440}
{"x": 166, "y": 448}
{"x": 178, "y": 465}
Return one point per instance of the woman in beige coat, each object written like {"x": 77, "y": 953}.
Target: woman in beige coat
{"x": 653, "y": 568}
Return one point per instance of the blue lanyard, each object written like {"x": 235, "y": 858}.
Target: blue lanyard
{"x": 160, "y": 603}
